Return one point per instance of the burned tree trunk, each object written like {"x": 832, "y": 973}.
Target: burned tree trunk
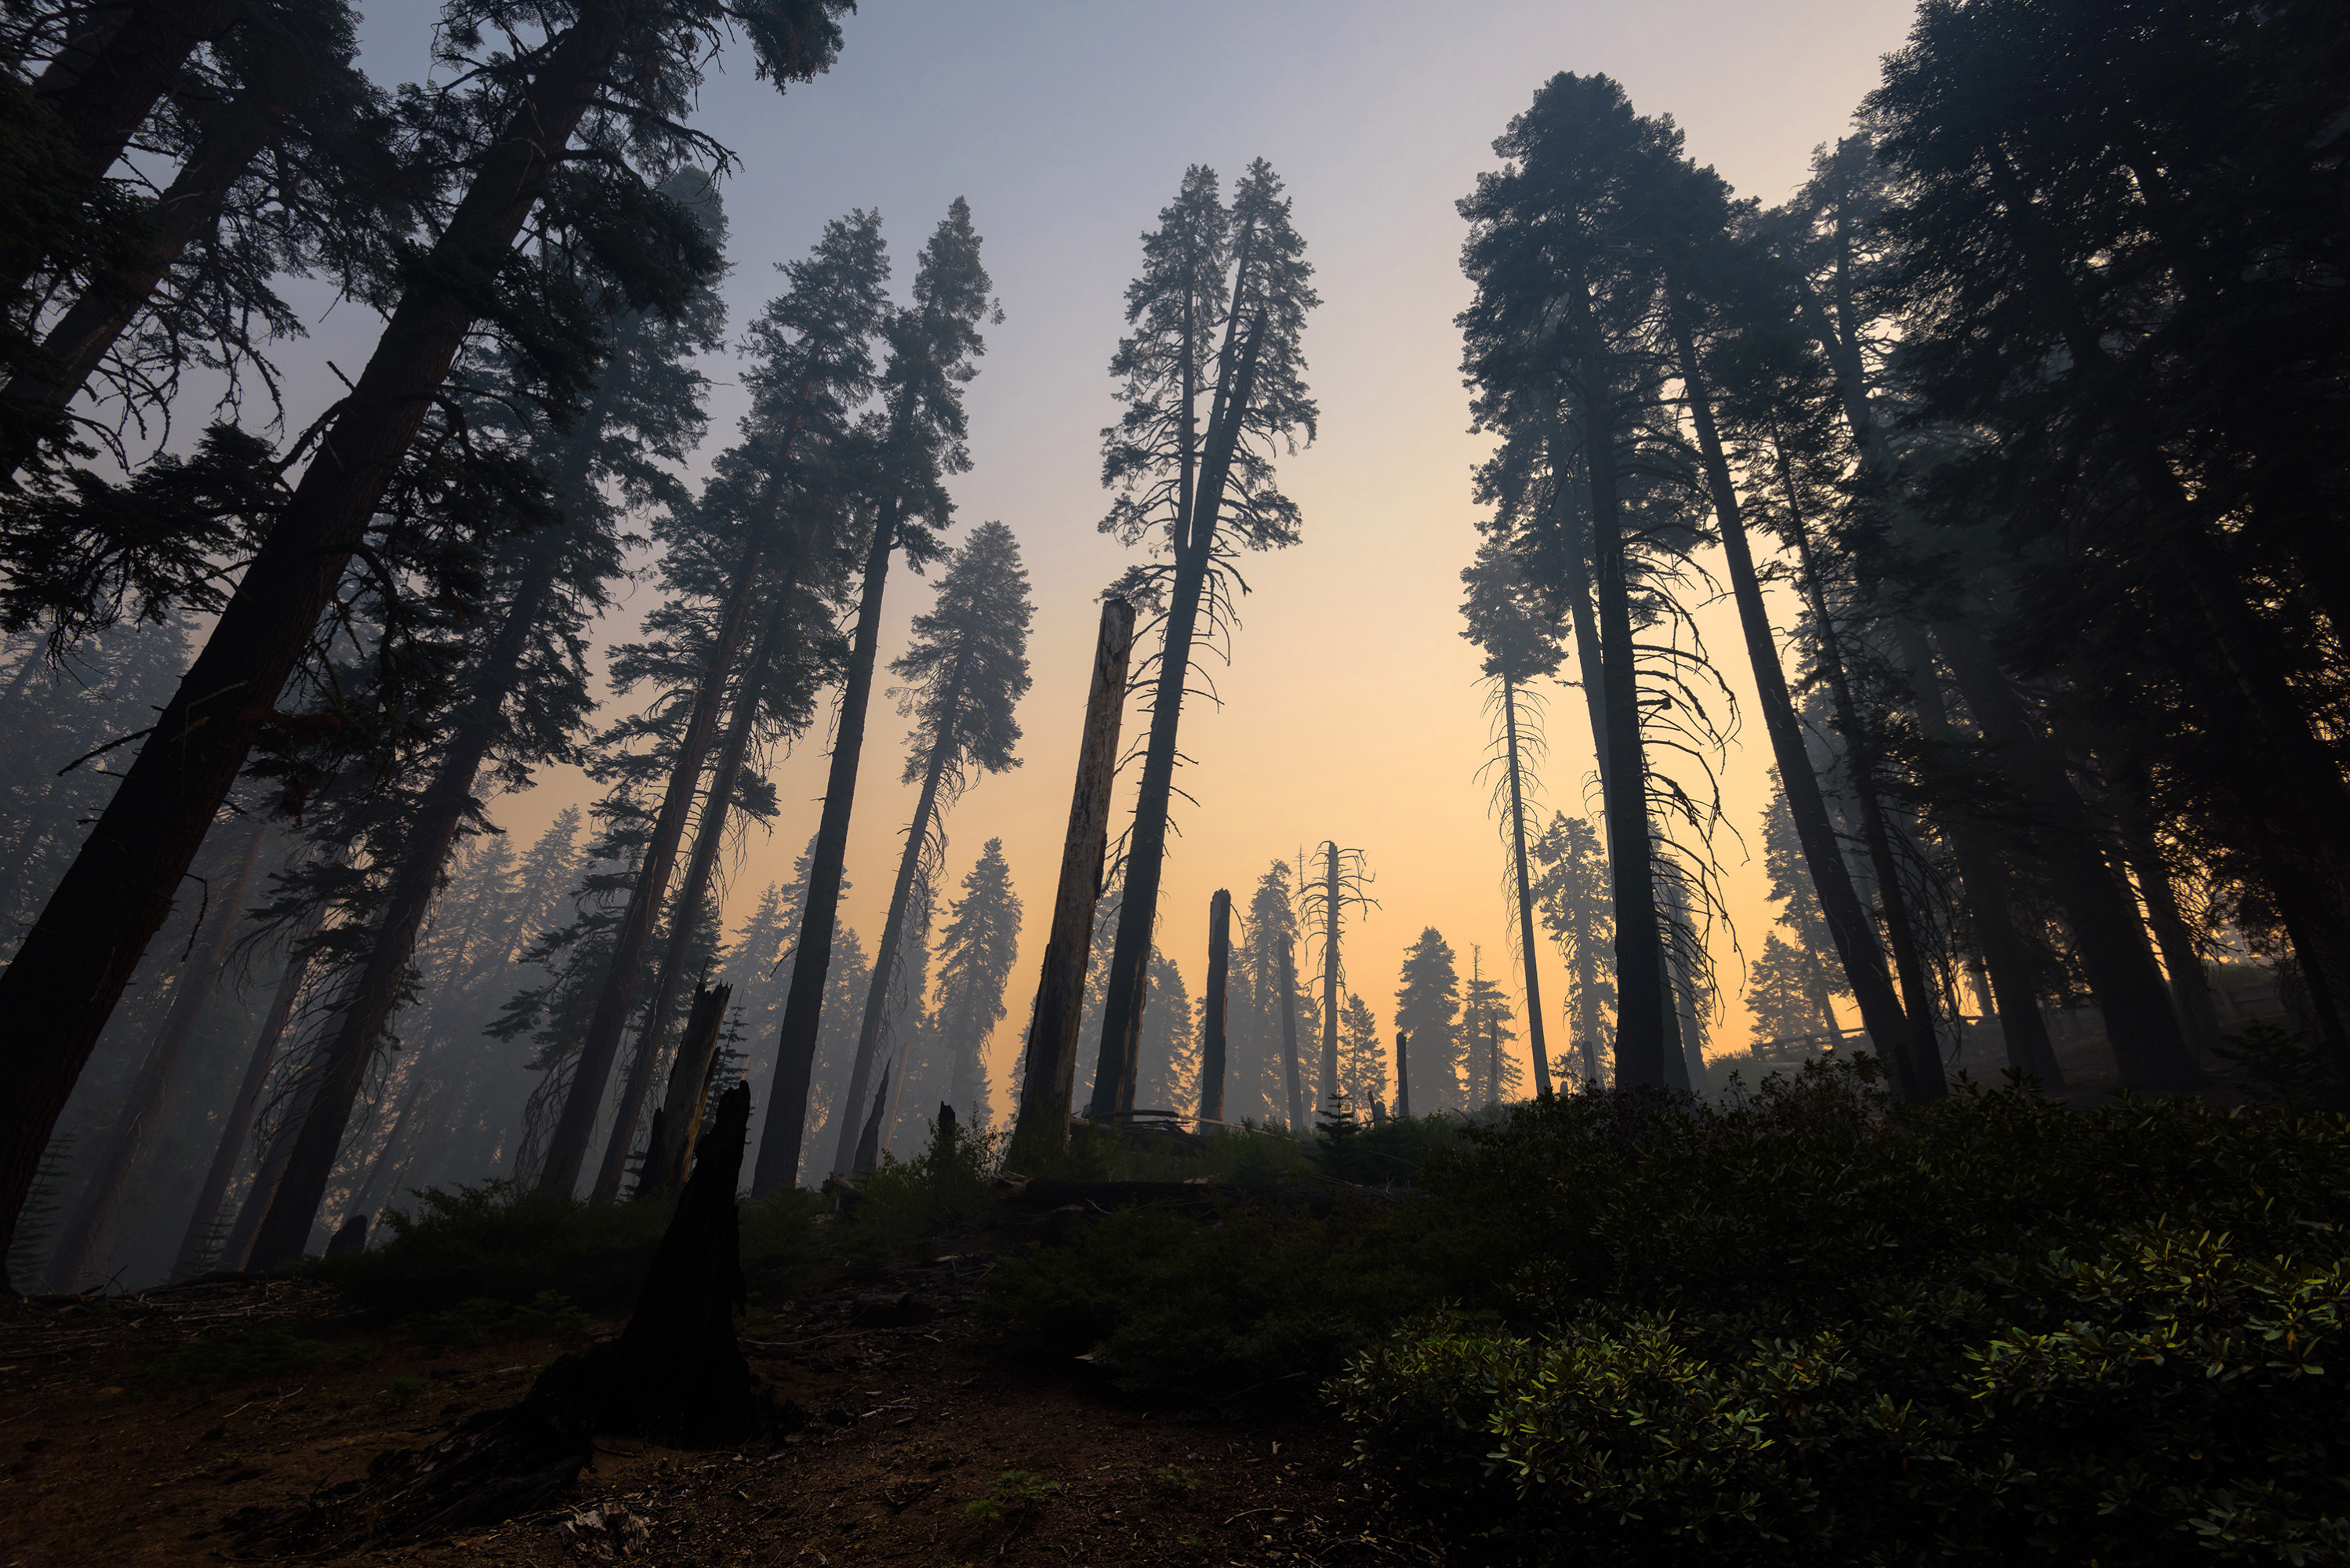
{"x": 1042, "y": 1128}
{"x": 1403, "y": 1078}
{"x": 677, "y": 1374}
{"x": 677, "y": 1124}
{"x": 1297, "y": 1118}
{"x": 1212, "y": 1022}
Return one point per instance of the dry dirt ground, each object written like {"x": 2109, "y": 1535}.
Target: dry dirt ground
{"x": 102, "y": 1463}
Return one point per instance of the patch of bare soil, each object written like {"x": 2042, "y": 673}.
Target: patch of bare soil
{"x": 914, "y": 1446}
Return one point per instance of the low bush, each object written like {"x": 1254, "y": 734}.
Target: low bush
{"x": 1388, "y": 1152}
{"x": 1258, "y": 1303}
{"x": 1806, "y": 1328}
{"x": 496, "y": 1243}
{"x": 906, "y": 1202}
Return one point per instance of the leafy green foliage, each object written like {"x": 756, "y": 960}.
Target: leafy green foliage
{"x": 1376, "y": 1154}
{"x": 1257, "y": 1303}
{"x": 951, "y": 1182}
{"x": 2287, "y": 1063}
{"x": 1795, "y": 1329}
{"x": 463, "y": 1252}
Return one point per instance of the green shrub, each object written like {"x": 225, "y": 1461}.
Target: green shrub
{"x": 1805, "y": 1329}
{"x": 1261, "y": 1302}
{"x": 905, "y": 1202}
{"x": 2287, "y": 1064}
{"x": 1248, "y": 1154}
{"x": 497, "y": 1243}
{"x": 1376, "y": 1154}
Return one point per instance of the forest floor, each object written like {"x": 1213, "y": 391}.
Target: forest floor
{"x": 110, "y": 1456}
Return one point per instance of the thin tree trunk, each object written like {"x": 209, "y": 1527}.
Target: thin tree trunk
{"x": 702, "y": 868}
{"x": 2141, "y": 1024}
{"x": 1639, "y": 969}
{"x": 1855, "y": 943}
{"x": 131, "y": 1141}
{"x": 237, "y": 1252}
{"x": 73, "y": 964}
{"x": 1211, "y": 1019}
{"x": 1042, "y": 1129}
{"x": 368, "y": 1008}
{"x": 1534, "y": 1023}
{"x": 1330, "y": 978}
{"x": 2022, "y": 1028}
{"x": 229, "y": 1153}
{"x": 795, "y": 1038}
{"x": 567, "y": 1151}
{"x": 893, "y": 926}
{"x": 365, "y": 1197}
{"x": 1289, "y": 1036}
{"x": 2182, "y": 959}
{"x": 1130, "y": 969}
{"x": 1403, "y": 1076}
{"x": 1914, "y": 1058}
{"x": 188, "y": 206}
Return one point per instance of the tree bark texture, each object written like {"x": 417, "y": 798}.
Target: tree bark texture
{"x": 700, "y": 870}
{"x": 1535, "y": 1030}
{"x": 72, "y": 966}
{"x": 567, "y": 1151}
{"x": 779, "y": 1144}
{"x": 131, "y": 1141}
{"x": 1043, "y": 1128}
{"x": 1211, "y": 1019}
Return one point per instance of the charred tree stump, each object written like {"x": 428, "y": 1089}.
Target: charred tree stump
{"x": 677, "y": 1375}
{"x": 868, "y": 1142}
{"x": 677, "y": 1120}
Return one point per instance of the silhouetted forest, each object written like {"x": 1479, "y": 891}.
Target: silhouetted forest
{"x": 2008, "y": 442}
